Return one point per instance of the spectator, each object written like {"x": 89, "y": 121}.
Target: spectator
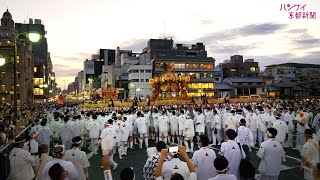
{"x": 3, "y": 136}
{"x": 221, "y": 165}
{"x": 149, "y": 168}
{"x": 203, "y": 160}
{"x": 175, "y": 166}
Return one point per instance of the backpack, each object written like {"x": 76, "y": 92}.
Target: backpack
{"x": 246, "y": 169}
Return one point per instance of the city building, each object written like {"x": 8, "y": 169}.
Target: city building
{"x": 138, "y": 77}
{"x": 245, "y": 86}
{"x": 92, "y": 70}
{"x": 41, "y": 55}
{"x": 189, "y": 60}
{"x": 308, "y": 72}
{"x": 236, "y": 67}
{"x": 25, "y": 64}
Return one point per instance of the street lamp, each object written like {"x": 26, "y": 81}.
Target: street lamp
{"x": 33, "y": 37}
{"x": 2, "y": 60}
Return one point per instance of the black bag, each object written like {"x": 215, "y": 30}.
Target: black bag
{"x": 246, "y": 169}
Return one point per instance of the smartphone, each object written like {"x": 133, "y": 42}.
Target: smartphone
{"x": 173, "y": 149}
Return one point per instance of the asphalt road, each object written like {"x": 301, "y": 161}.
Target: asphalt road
{"x": 136, "y": 158}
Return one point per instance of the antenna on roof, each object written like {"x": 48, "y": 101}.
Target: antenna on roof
{"x": 164, "y": 28}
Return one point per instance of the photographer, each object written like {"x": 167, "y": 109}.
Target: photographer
{"x": 175, "y": 169}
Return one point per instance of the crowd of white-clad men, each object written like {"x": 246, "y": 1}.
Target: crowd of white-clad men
{"x": 236, "y": 127}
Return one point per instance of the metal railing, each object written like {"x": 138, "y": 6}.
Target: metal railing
{"x": 4, "y": 155}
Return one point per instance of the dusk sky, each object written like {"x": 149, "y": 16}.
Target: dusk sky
{"x": 254, "y": 28}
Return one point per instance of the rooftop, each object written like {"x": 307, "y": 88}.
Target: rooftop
{"x": 296, "y": 65}
{"x": 244, "y": 80}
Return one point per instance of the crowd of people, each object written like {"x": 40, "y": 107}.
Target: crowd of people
{"x": 178, "y": 130}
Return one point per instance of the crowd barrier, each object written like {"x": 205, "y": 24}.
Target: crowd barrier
{"x": 4, "y": 155}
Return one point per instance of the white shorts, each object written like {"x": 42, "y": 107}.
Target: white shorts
{"x": 175, "y": 132}
{"x": 141, "y": 135}
{"x": 156, "y": 128}
{"x": 165, "y": 134}
{"x": 134, "y": 130}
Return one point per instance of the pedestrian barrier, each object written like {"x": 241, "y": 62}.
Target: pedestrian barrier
{"x": 4, "y": 155}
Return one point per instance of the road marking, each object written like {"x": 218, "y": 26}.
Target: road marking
{"x": 90, "y": 155}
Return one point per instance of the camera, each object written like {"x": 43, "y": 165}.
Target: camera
{"x": 174, "y": 149}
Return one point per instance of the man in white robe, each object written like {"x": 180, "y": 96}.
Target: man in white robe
{"x": 282, "y": 130}
{"x": 188, "y": 134}
{"x": 272, "y": 155}
{"x": 216, "y": 128}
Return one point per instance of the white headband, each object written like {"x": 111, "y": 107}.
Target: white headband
{"x": 269, "y": 134}
{"x": 223, "y": 170}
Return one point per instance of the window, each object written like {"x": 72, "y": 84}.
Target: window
{"x": 192, "y": 66}
{"x": 2, "y": 74}
{"x": 141, "y": 80}
{"x": 252, "y": 69}
{"x": 37, "y": 81}
{"x": 135, "y": 80}
{"x": 3, "y": 88}
{"x": 179, "y": 66}
{"x": 18, "y": 74}
{"x": 192, "y": 75}
{"x": 34, "y": 69}
{"x": 233, "y": 70}
{"x": 201, "y": 85}
{"x": 148, "y": 71}
{"x": 253, "y": 90}
{"x": 206, "y": 66}
{"x": 135, "y": 71}
{"x": 37, "y": 91}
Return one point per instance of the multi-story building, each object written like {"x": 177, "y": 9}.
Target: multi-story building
{"x": 189, "y": 60}
{"x": 307, "y": 72}
{"x": 138, "y": 77}
{"x": 41, "y": 54}
{"x": 245, "y": 86}
{"x": 236, "y": 67}
{"x": 24, "y": 64}
{"x": 92, "y": 70}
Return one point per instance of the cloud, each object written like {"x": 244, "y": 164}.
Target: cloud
{"x": 219, "y": 48}
{"x": 206, "y": 21}
{"x": 247, "y": 30}
{"x": 309, "y": 58}
{"x": 307, "y": 41}
{"x": 136, "y": 45}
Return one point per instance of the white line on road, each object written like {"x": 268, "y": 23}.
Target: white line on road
{"x": 90, "y": 155}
